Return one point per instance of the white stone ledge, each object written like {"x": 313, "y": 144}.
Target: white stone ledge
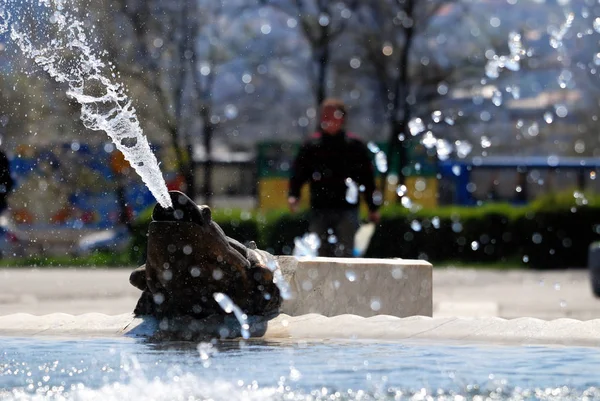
{"x": 358, "y": 286}
{"x": 315, "y": 327}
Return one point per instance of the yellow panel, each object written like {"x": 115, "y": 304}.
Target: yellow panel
{"x": 423, "y": 191}
{"x": 420, "y": 190}
{"x": 272, "y": 194}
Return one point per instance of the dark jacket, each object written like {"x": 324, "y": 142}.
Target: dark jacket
{"x": 6, "y": 181}
{"x": 326, "y": 161}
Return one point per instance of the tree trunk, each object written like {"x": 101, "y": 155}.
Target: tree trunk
{"x": 322, "y": 70}
{"x": 207, "y": 191}
{"x": 400, "y": 133}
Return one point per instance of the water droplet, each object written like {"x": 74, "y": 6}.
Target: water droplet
{"x": 397, "y": 273}
{"x": 387, "y": 49}
{"x": 401, "y": 190}
{"x": 167, "y": 275}
{"x": 217, "y": 274}
{"x": 308, "y": 245}
{"x": 456, "y": 170}
{"x": 557, "y": 286}
{"x": 415, "y": 225}
{"x": 444, "y": 149}
{"x": 355, "y": 62}
{"x": 457, "y": 227}
{"x": 463, "y": 148}
{"x": 373, "y": 147}
{"x": 375, "y": 304}
{"x": 428, "y": 140}
{"x": 597, "y": 24}
{"x": 351, "y": 191}
{"x": 381, "y": 162}
{"x": 497, "y": 98}
{"x": 295, "y": 374}
{"x": 324, "y": 19}
{"x": 231, "y": 111}
{"x": 158, "y": 298}
{"x": 265, "y": 29}
{"x": 351, "y": 276}
{"x": 474, "y": 245}
{"x": 416, "y": 126}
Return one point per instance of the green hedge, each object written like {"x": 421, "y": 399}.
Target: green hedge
{"x": 553, "y": 232}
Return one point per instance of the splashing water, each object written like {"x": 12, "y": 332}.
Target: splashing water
{"x": 556, "y": 40}
{"x": 69, "y": 58}
{"x": 279, "y": 280}
{"x": 308, "y": 245}
{"x": 511, "y": 62}
{"x": 228, "y": 306}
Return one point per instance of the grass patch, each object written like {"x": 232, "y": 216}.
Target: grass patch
{"x": 96, "y": 259}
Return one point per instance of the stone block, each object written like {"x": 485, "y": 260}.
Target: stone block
{"x": 358, "y": 286}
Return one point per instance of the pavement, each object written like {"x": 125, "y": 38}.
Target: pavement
{"x": 457, "y": 292}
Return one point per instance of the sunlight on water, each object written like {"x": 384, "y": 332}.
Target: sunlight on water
{"x": 60, "y": 44}
{"x": 119, "y": 370}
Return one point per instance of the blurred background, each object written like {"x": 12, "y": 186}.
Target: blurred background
{"x": 482, "y": 117}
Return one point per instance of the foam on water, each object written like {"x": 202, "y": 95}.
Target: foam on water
{"x": 68, "y": 57}
{"x": 191, "y": 387}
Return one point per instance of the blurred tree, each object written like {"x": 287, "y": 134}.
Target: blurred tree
{"x": 389, "y": 30}
{"x": 321, "y": 22}
{"x": 156, "y": 53}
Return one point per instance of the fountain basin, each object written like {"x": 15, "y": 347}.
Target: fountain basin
{"x": 314, "y": 327}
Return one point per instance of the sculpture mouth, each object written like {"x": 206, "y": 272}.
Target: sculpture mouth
{"x": 183, "y": 210}
{"x": 186, "y": 217}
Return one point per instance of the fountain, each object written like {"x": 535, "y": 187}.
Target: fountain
{"x": 104, "y": 104}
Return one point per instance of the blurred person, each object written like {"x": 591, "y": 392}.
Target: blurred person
{"x": 336, "y": 164}
{"x": 6, "y": 181}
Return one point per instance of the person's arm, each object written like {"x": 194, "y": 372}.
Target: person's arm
{"x": 298, "y": 176}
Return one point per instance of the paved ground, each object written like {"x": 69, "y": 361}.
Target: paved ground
{"x": 456, "y": 292}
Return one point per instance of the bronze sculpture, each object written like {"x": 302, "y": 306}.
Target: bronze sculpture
{"x": 190, "y": 259}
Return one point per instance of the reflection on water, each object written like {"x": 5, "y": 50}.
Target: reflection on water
{"x": 124, "y": 369}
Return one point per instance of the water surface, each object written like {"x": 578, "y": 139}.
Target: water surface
{"x": 126, "y": 369}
